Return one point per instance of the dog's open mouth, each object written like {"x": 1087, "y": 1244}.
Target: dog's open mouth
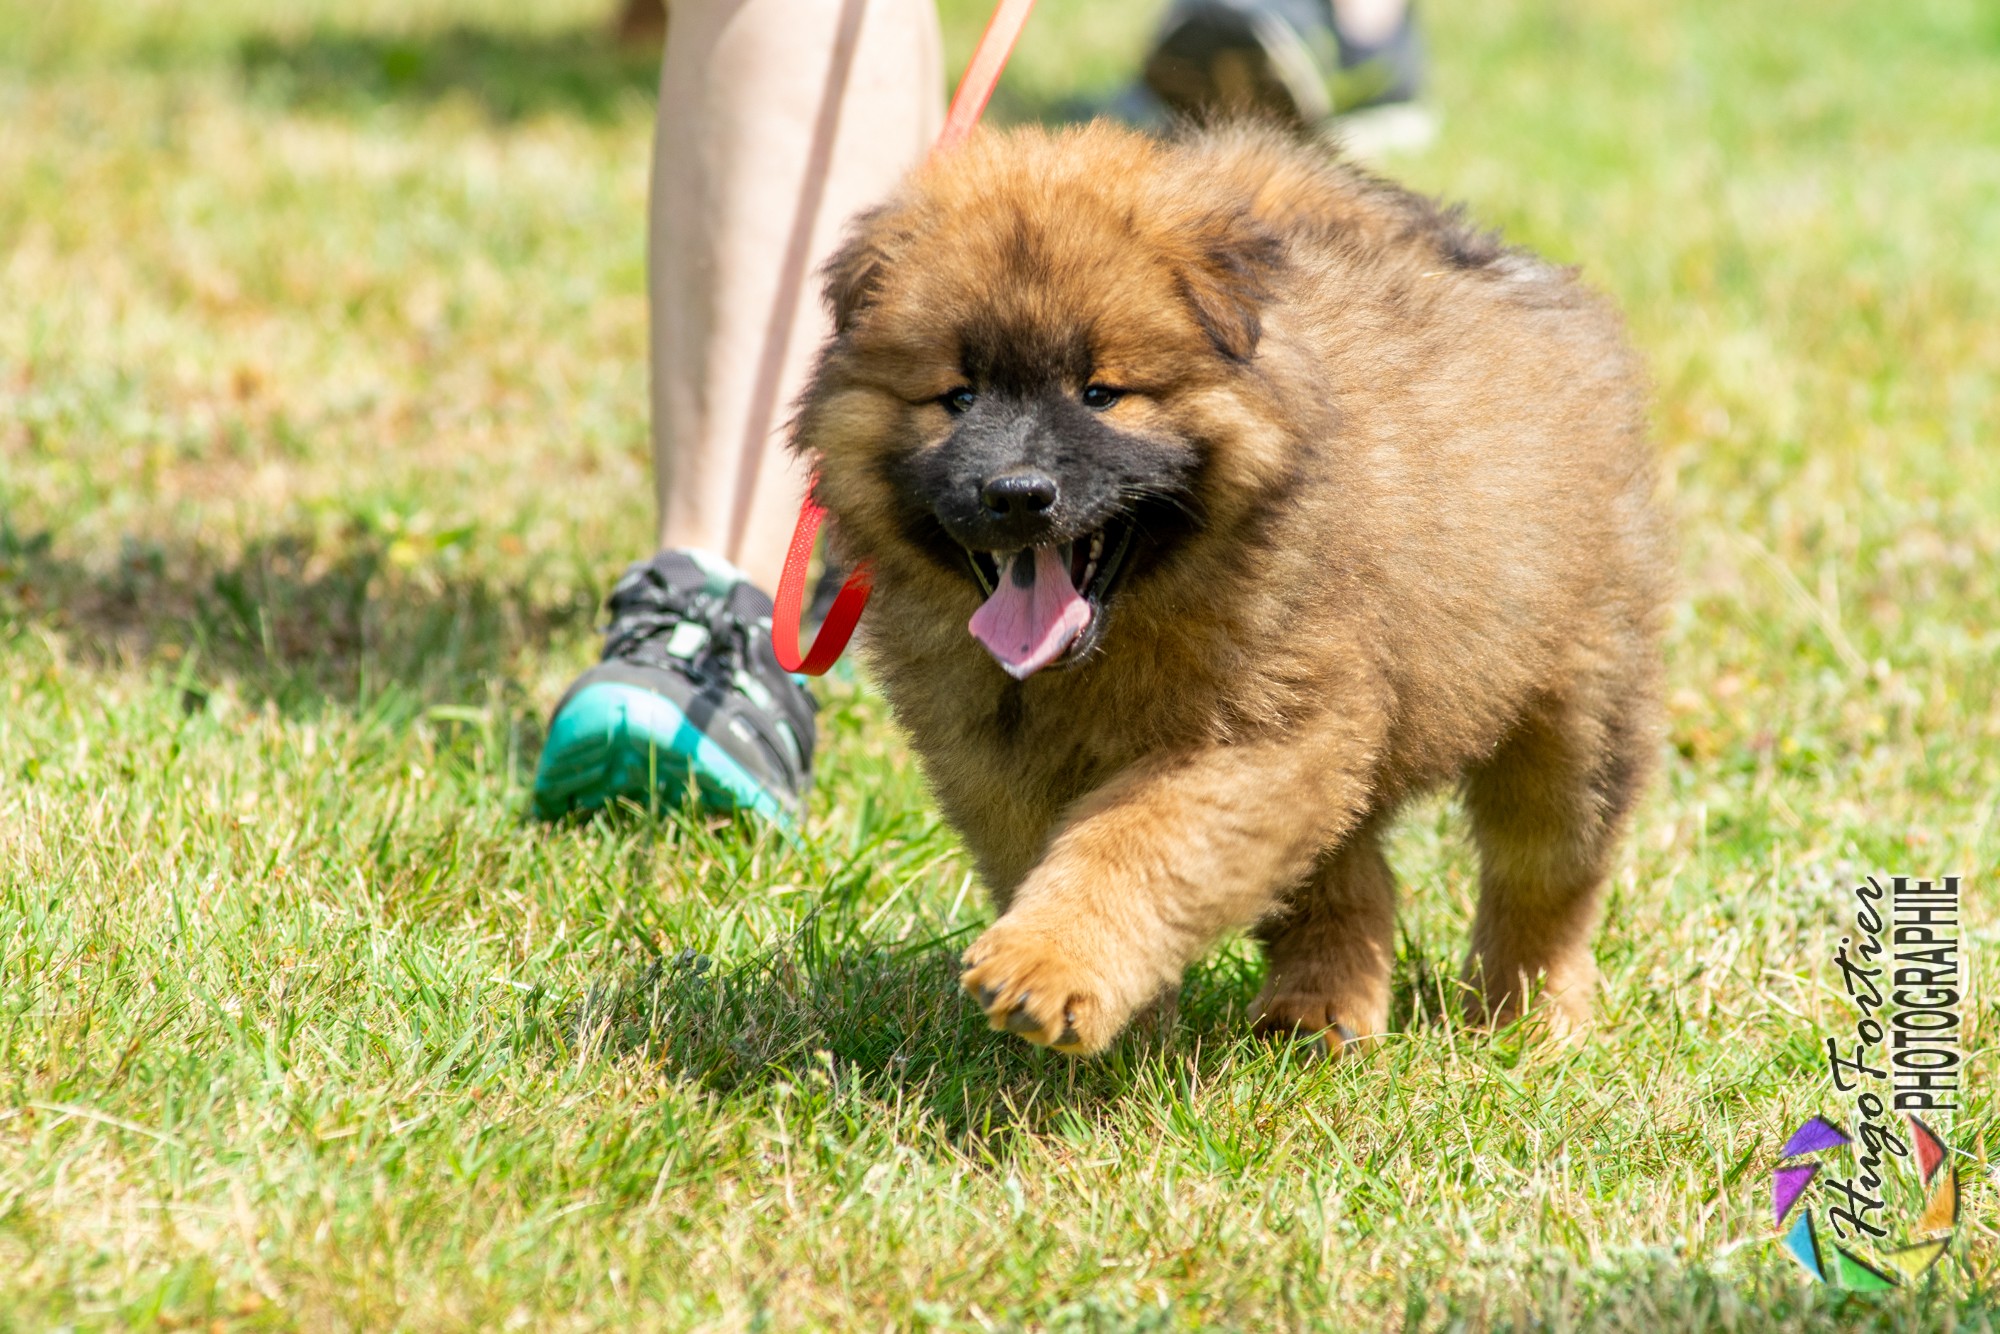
{"x": 1045, "y": 605}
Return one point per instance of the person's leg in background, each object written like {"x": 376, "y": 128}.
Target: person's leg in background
{"x": 778, "y": 121}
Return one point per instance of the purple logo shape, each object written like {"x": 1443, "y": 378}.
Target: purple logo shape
{"x": 1816, "y": 1134}
{"x": 1787, "y": 1184}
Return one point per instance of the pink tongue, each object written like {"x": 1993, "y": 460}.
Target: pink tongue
{"x": 1028, "y": 626}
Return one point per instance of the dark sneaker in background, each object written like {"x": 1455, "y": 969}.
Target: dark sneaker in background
{"x": 1288, "y": 60}
{"x": 689, "y": 691}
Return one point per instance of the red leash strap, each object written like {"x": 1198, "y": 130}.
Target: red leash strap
{"x": 983, "y": 74}
{"x": 841, "y": 618}
{"x": 974, "y": 91}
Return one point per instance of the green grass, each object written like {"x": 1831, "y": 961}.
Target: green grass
{"x": 321, "y": 434}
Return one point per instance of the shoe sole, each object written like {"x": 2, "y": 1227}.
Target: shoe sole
{"x": 612, "y": 741}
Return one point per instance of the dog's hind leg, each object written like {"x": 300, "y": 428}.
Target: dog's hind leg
{"x": 1547, "y": 810}
{"x": 1331, "y": 947}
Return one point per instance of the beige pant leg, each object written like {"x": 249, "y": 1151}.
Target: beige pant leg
{"x": 778, "y": 121}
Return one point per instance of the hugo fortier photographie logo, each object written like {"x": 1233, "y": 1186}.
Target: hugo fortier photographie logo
{"x": 1867, "y": 1198}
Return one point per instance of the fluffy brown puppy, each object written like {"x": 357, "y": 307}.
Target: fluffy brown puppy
{"x": 1222, "y": 497}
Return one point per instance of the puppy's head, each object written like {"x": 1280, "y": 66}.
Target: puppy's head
{"x": 1042, "y": 378}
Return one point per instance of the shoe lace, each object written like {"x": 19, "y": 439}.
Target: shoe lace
{"x": 646, "y": 611}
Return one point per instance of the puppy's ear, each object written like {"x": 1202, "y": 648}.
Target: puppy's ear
{"x": 1228, "y": 280}
{"x": 855, "y": 271}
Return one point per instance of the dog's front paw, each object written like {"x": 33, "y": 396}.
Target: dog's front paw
{"x": 1315, "y": 1018}
{"x": 1030, "y": 985}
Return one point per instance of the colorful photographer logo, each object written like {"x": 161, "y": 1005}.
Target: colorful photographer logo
{"x": 1858, "y": 1219}
{"x": 1920, "y": 1246}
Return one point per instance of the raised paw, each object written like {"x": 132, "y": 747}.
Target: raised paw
{"x": 1030, "y": 986}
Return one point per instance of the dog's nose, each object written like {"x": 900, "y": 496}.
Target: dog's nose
{"x": 1018, "y": 495}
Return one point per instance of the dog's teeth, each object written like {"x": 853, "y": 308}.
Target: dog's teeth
{"x": 1096, "y": 545}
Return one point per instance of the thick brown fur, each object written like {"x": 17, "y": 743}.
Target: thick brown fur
{"x": 1422, "y": 547}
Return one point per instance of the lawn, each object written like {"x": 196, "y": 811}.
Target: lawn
{"x": 322, "y": 394}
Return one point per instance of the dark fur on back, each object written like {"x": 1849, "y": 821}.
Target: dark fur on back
{"x": 1395, "y": 525}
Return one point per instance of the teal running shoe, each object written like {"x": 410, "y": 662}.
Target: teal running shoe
{"x": 689, "y": 693}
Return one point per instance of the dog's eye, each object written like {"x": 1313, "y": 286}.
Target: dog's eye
{"x": 959, "y": 400}
{"x": 1100, "y": 396}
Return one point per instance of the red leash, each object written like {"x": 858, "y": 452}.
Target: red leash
{"x": 974, "y": 90}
